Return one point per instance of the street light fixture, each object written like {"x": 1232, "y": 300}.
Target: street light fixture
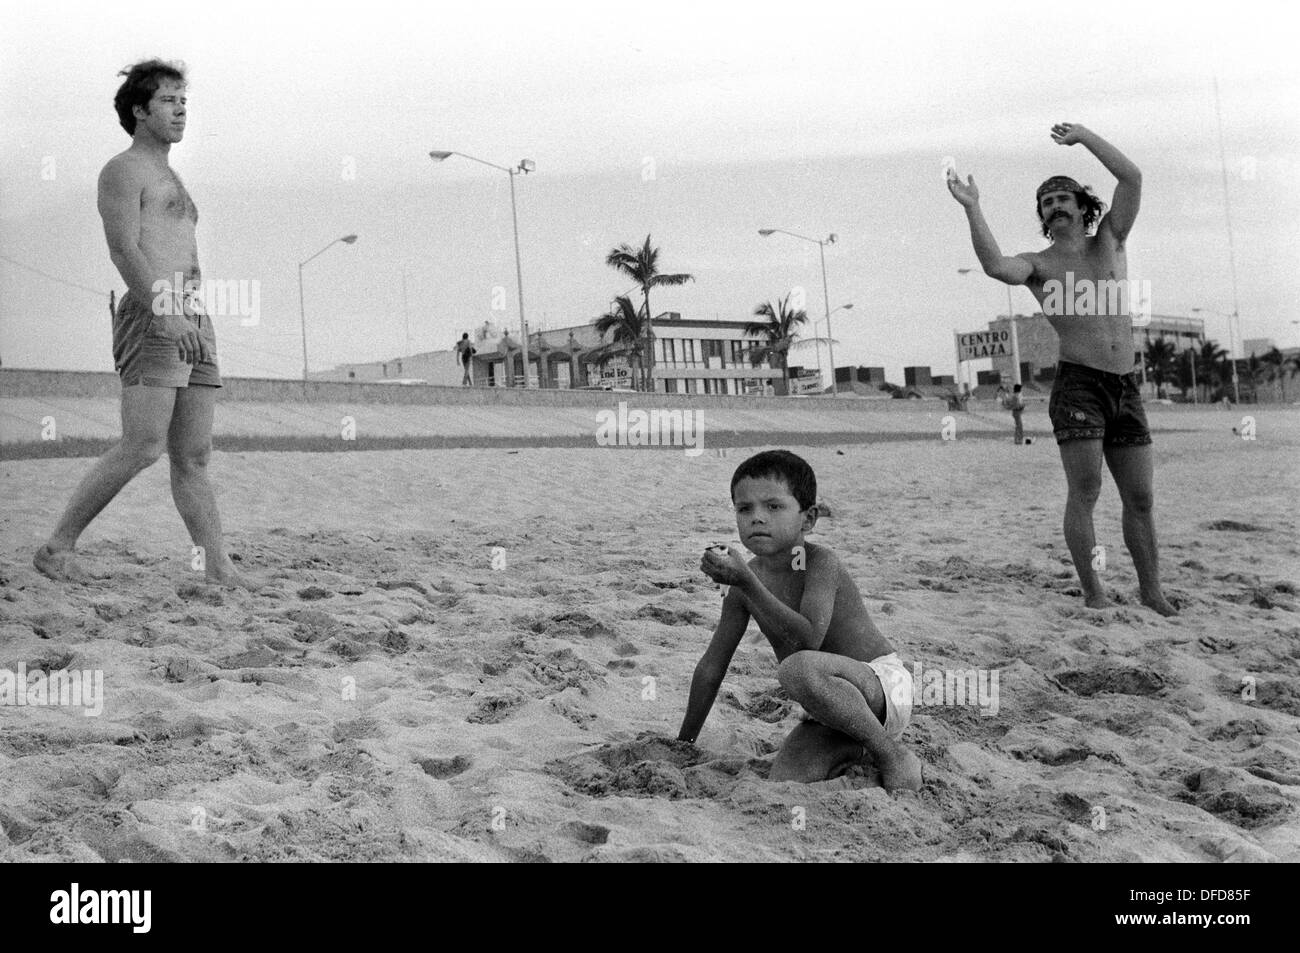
{"x": 302, "y": 312}
{"x": 1232, "y": 347}
{"x": 525, "y": 166}
{"x": 826, "y": 298}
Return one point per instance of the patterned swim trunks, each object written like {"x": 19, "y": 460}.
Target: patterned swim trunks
{"x": 1088, "y": 404}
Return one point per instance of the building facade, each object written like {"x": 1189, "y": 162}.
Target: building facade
{"x": 691, "y": 357}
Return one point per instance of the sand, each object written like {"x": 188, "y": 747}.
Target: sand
{"x": 484, "y": 654}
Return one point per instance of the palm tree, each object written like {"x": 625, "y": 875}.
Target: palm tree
{"x": 1255, "y": 370}
{"x": 778, "y": 334}
{"x": 1276, "y": 362}
{"x": 628, "y": 326}
{"x": 1160, "y": 362}
{"x": 1210, "y": 365}
{"x": 642, "y": 266}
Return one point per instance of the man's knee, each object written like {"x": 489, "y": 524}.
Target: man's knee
{"x": 142, "y": 452}
{"x": 1084, "y": 491}
{"x": 190, "y": 459}
{"x": 1140, "y": 501}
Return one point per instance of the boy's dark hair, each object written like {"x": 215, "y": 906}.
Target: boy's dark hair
{"x": 781, "y": 465}
{"x": 1017, "y": 388}
{"x": 1092, "y": 207}
{"x": 142, "y": 81}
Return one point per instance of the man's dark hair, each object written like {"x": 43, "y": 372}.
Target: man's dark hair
{"x": 780, "y": 465}
{"x": 1017, "y": 388}
{"x": 142, "y": 81}
{"x": 1092, "y": 207}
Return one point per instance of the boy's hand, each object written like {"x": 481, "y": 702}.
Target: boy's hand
{"x": 727, "y": 568}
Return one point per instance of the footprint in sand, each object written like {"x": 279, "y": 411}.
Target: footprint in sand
{"x": 444, "y": 768}
{"x": 1112, "y": 678}
{"x": 585, "y": 833}
{"x": 490, "y": 709}
{"x": 1224, "y": 793}
{"x": 567, "y": 625}
{"x": 670, "y": 616}
{"x": 1235, "y": 527}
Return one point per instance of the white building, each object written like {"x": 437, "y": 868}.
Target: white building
{"x": 691, "y": 357}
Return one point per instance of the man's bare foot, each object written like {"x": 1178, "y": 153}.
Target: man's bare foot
{"x": 60, "y": 565}
{"x": 901, "y": 772}
{"x": 228, "y": 577}
{"x": 1158, "y": 602}
{"x": 1097, "y": 601}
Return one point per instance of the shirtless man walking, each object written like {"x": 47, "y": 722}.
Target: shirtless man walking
{"x": 164, "y": 347}
{"x": 1095, "y": 407}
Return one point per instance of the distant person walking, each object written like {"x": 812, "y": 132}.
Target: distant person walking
{"x": 465, "y": 351}
{"x": 1016, "y": 404}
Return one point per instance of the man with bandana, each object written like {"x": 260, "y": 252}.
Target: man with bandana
{"x": 1096, "y": 406}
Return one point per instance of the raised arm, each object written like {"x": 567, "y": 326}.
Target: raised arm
{"x": 1009, "y": 269}
{"x": 1128, "y": 189}
{"x": 121, "y": 185}
{"x": 712, "y": 666}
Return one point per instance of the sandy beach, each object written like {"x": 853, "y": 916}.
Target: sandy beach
{"x": 482, "y": 654}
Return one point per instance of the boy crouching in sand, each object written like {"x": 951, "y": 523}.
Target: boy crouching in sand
{"x": 833, "y": 660}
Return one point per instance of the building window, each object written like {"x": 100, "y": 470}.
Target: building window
{"x": 670, "y": 351}
{"x": 688, "y": 352}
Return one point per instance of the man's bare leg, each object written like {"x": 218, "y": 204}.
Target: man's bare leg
{"x": 1132, "y": 469}
{"x": 146, "y": 413}
{"x": 843, "y": 695}
{"x": 189, "y": 447}
{"x": 1082, "y": 462}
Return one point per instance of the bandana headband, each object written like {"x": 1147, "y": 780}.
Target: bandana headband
{"x": 1058, "y": 183}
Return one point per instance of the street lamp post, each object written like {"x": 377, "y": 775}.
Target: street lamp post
{"x": 302, "y": 311}
{"x": 817, "y": 343}
{"x": 1015, "y": 338}
{"x": 524, "y": 166}
{"x": 826, "y": 298}
{"x": 1232, "y": 347}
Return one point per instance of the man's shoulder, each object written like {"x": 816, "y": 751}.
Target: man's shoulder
{"x": 126, "y": 166}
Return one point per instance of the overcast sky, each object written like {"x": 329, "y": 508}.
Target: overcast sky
{"x": 694, "y": 122}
